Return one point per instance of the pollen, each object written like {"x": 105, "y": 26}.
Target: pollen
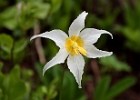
{"x": 74, "y": 45}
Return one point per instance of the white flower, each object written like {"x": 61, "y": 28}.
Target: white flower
{"x": 71, "y": 47}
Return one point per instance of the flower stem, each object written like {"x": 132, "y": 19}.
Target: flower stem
{"x": 61, "y": 87}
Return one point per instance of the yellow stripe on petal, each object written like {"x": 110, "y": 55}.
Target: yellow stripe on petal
{"x": 74, "y": 45}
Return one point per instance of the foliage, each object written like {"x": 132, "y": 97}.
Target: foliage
{"x": 24, "y": 14}
{"x": 131, "y": 30}
{"x": 52, "y": 80}
{"x": 112, "y": 63}
{"x": 103, "y": 91}
{"x": 12, "y": 48}
{"x": 20, "y": 70}
{"x": 10, "y": 83}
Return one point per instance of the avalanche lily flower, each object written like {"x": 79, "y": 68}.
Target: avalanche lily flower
{"x": 79, "y": 42}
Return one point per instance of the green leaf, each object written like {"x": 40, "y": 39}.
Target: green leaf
{"x": 9, "y": 18}
{"x": 27, "y": 73}
{"x": 6, "y": 42}
{"x": 52, "y": 93}
{"x": 112, "y": 62}
{"x": 39, "y": 93}
{"x": 15, "y": 73}
{"x": 82, "y": 98}
{"x": 132, "y": 14}
{"x": 20, "y": 45}
{"x": 1, "y": 79}
{"x": 42, "y": 11}
{"x": 70, "y": 86}
{"x": 132, "y": 40}
{"x": 38, "y": 9}
{"x": 102, "y": 88}
{"x": 56, "y": 4}
{"x": 15, "y": 93}
{"x": 13, "y": 88}
{"x": 5, "y": 82}
{"x": 120, "y": 87}
{"x": 11, "y": 24}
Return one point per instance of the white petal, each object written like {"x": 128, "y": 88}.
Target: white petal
{"x": 57, "y": 36}
{"x": 76, "y": 65}
{"x": 93, "y": 52}
{"x": 78, "y": 24}
{"x": 59, "y": 58}
{"x": 91, "y": 35}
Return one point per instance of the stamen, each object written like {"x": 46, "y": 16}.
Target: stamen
{"x": 75, "y": 44}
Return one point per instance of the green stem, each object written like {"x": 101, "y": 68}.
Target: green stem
{"x": 61, "y": 87}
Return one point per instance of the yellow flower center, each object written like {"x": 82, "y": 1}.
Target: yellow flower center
{"x": 74, "y": 45}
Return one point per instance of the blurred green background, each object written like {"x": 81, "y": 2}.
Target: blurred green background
{"x": 21, "y": 61}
